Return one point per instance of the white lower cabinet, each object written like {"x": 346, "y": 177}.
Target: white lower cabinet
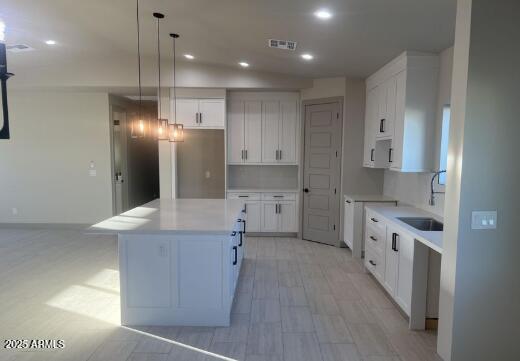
{"x": 254, "y": 216}
{"x": 269, "y": 212}
{"x": 389, "y": 257}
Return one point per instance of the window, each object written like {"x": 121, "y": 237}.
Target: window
{"x": 445, "y": 134}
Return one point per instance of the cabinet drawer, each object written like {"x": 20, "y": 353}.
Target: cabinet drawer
{"x": 244, "y": 196}
{"x": 375, "y": 221}
{"x": 375, "y": 263}
{"x": 375, "y": 238}
{"x": 279, "y": 196}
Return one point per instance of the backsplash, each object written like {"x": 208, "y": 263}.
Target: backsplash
{"x": 413, "y": 189}
{"x": 263, "y": 177}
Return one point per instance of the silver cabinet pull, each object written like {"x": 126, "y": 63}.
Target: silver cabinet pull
{"x": 246, "y": 153}
{"x": 280, "y": 154}
{"x": 200, "y": 118}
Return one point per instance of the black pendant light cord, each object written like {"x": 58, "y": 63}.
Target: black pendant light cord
{"x": 139, "y": 59}
{"x": 174, "y": 36}
{"x": 159, "y": 64}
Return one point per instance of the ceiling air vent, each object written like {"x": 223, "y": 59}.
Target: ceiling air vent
{"x": 18, "y": 48}
{"x": 282, "y": 44}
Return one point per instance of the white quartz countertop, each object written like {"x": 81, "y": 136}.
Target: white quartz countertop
{"x": 392, "y": 214}
{"x": 207, "y": 216}
{"x": 257, "y": 190}
{"x": 369, "y": 198}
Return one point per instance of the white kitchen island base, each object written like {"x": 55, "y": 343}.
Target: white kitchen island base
{"x": 172, "y": 276}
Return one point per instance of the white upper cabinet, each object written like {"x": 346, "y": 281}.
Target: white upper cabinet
{"x": 270, "y": 130}
{"x": 235, "y": 132}
{"x": 201, "y": 113}
{"x": 400, "y": 114}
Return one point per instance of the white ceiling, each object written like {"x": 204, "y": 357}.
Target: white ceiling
{"x": 362, "y": 35}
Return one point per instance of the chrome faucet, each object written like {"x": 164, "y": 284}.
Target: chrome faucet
{"x": 433, "y": 192}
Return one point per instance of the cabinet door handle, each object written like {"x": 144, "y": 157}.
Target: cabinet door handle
{"x": 240, "y": 242}
{"x": 374, "y": 220}
{"x": 372, "y": 154}
{"x": 242, "y": 155}
{"x": 233, "y": 234}
{"x": 395, "y": 245}
{"x": 200, "y": 118}
{"x": 244, "y": 230}
{"x": 242, "y": 196}
{"x": 277, "y": 196}
{"x": 382, "y": 126}
{"x": 373, "y": 238}
{"x": 390, "y": 155}
{"x": 276, "y": 154}
{"x": 348, "y": 201}
{"x": 246, "y": 153}
{"x": 235, "y": 250}
{"x": 280, "y": 154}
{"x": 372, "y": 263}
{"x": 279, "y": 208}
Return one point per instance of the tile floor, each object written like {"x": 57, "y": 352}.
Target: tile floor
{"x": 296, "y": 301}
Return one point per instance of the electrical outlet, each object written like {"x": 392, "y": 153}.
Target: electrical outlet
{"x": 484, "y": 220}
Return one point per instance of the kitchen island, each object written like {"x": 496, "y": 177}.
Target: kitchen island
{"x": 179, "y": 260}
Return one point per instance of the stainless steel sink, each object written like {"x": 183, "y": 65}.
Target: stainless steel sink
{"x": 423, "y": 224}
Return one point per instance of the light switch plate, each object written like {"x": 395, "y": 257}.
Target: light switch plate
{"x": 484, "y": 220}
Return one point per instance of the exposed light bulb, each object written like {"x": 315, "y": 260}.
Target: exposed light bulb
{"x": 307, "y": 56}
{"x": 323, "y": 14}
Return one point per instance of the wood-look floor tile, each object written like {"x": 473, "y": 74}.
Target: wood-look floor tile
{"x": 301, "y": 347}
{"x": 263, "y": 290}
{"x": 236, "y": 332}
{"x": 150, "y": 344}
{"x": 331, "y": 329}
{"x": 245, "y": 284}
{"x": 339, "y": 352}
{"x": 114, "y": 350}
{"x": 242, "y": 303}
{"x": 370, "y": 340}
{"x": 322, "y": 304}
{"x": 265, "y": 311}
{"x": 264, "y": 357}
{"x": 390, "y": 320}
{"x": 265, "y": 339}
{"x": 290, "y": 279}
{"x": 355, "y": 311}
{"x": 233, "y": 350}
{"x": 296, "y": 319}
{"x": 293, "y": 296}
{"x": 148, "y": 357}
{"x": 411, "y": 347}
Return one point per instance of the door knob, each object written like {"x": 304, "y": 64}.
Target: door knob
{"x": 306, "y": 190}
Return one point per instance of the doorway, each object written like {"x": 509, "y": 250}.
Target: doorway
{"x": 323, "y": 125}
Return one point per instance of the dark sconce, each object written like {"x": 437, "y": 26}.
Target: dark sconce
{"x": 4, "y": 76}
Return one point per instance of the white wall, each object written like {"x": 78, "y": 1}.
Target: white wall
{"x": 44, "y": 167}
{"x": 481, "y": 287}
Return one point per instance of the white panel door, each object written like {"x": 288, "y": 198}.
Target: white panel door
{"x": 212, "y": 113}
{"x": 253, "y": 132}
{"x": 270, "y": 131}
{"x": 254, "y": 216}
{"x": 287, "y": 214}
{"x": 235, "y": 133}
{"x": 371, "y": 121}
{"x": 288, "y": 132}
{"x": 148, "y": 272}
{"x": 392, "y": 260}
{"x": 187, "y": 110}
{"x": 270, "y": 218}
{"x": 405, "y": 249}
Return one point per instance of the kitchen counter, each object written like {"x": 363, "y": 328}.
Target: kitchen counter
{"x": 211, "y": 216}
{"x": 369, "y": 198}
{"x": 179, "y": 260}
{"x": 431, "y": 239}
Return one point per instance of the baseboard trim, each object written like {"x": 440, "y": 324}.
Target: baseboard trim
{"x": 72, "y": 226}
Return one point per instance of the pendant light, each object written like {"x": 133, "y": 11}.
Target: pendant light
{"x": 162, "y": 124}
{"x": 175, "y": 130}
{"x": 138, "y": 126}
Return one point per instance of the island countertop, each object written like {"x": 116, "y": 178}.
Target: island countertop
{"x": 201, "y": 216}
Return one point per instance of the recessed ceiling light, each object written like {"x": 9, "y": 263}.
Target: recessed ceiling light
{"x": 243, "y": 64}
{"x": 323, "y": 14}
{"x": 307, "y": 56}
{"x": 189, "y": 56}
{"x": 50, "y": 42}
